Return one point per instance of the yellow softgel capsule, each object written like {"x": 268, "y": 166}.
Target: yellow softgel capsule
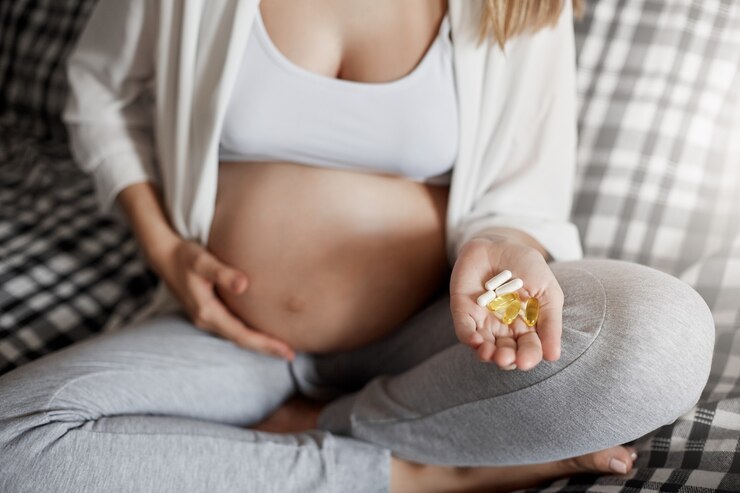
{"x": 531, "y": 312}
{"x": 500, "y": 302}
{"x": 506, "y": 307}
{"x": 511, "y": 311}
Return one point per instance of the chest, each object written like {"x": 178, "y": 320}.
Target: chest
{"x": 354, "y": 40}
{"x": 285, "y": 110}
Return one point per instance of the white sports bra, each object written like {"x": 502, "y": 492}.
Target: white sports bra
{"x": 279, "y": 111}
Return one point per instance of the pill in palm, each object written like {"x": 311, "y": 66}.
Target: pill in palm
{"x": 531, "y": 311}
{"x": 509, "y": 287}
{"x": 510, "y": 312}
{"x": 505, "y": 307}
{"x": 500, "y": 302}
{"x": 498, "y": 280}
{"x": 486, "y": 298}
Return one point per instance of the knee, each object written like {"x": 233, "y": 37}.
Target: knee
{"x": 656, "y": 339}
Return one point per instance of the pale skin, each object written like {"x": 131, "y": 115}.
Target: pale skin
{"x": 239, "y": 285}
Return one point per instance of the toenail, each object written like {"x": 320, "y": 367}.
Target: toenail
{"x": 617, "y": 465}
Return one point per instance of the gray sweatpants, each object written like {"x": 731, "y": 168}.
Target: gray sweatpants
{"x": 162, "y": 406}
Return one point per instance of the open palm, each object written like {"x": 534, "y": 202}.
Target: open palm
{"x": 516, "y": 344}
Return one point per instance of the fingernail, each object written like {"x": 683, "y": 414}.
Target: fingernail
{"x": 617, "y": 465}
{"x": 633, "y": 455}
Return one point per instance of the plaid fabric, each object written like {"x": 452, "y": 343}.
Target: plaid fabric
{"x": 35, "y": 38}
{"x": 659, "y": 130}
{"x": 659, "y": 184}
{"x": 65, "y": 271}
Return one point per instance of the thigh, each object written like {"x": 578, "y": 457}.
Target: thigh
{"x": 163, "y": 365}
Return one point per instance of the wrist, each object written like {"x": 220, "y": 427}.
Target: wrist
{"x": 142, "y": 204}
{"x": 160, "y": 252}
{"x": 500, "y": 233}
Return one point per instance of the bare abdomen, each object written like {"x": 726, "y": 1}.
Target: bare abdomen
{"x": 335, "y": 258}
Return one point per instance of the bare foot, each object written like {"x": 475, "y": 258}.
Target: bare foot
{"x": 408, "y": 477}
{"x": 604, "y": 461}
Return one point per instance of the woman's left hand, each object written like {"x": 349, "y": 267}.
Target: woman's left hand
{"x": 480, "y": 259}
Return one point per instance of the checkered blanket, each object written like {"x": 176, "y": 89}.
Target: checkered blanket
{"x": 658, "y": 184}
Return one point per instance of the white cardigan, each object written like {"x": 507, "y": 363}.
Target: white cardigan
{"x": 150, "y": 80}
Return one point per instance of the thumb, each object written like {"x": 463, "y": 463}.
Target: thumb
{"x": 215, "y": 271}
{"x": 464, "y": 323}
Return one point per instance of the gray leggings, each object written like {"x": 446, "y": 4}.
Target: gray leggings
{"x": 162, "y": 406}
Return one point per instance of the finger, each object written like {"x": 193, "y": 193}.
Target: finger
{"x": 529, "y": 345}
{"x": 215, "y": 271}
{"x": 505, "y": 353}
{"x": 466, "y": 330}
{"x": 464, "y": 322}
{"x": 486, "y": 330}
{"x": 486, "y": 350}
{"x": 529, "y": 350}
{"x": 550, "y": 327}
{"x": 235, "y": 330}
{"x": 497, "y": 327}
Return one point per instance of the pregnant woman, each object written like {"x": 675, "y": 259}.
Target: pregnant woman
{"x": 324, "y": 187}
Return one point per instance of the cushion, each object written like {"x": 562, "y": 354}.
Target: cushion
{"x": 659, "y": 130}
{"x": 65, "y": 271}
{"x": 35, "y": 38}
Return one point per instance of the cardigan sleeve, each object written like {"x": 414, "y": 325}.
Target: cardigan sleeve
{"x": 109, "y": 108}
{"x": 533, "y": 191}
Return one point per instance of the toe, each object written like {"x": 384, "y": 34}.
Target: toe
{"x": 615, "y": 460}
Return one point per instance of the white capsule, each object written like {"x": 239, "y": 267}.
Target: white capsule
{"x": 486, "y": 298}
{"x": 498, "y": 280}
{"x": 509, "y": 287}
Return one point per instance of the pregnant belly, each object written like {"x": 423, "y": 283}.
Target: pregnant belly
{"x": 335, "y": 258}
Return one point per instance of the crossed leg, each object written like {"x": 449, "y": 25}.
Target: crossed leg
{"x": 163, "y": 406}
{"x": 636, "y": 353}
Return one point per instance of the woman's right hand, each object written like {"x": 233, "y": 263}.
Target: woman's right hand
{"x": 192, "y": 274}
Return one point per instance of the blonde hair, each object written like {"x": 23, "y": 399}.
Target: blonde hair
{"x": 504, "y": 19}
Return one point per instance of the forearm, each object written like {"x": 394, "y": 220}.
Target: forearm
{"x": 515, "y": 235}
{"x": 142, "y": 205}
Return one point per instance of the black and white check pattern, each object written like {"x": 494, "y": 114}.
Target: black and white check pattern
{"x": 65, "y": 271}
{"x": 658, "y": 184}
{"x": 35, "y": 39}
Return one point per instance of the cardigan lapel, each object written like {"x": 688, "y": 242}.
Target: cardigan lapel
{"x": 221, "y": 35}
{"x": 469, "y": 61}
{"x": 225, "y": 38}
